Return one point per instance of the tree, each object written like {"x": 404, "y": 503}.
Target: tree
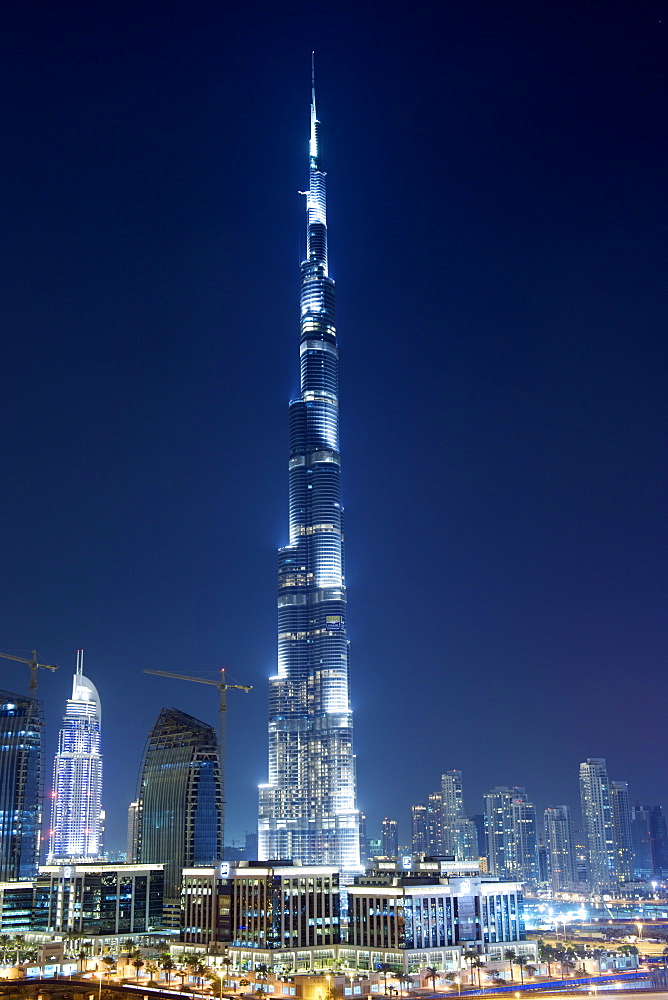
{"x": 138, "y": 963}
{"x": 5, "y": 941}
{"x": 509, "y": 956}
{"x": 546, "y": 954}
{"x": 109, "y": 964}
{"x": 476, "y": 964}
{"x": 520, "y": 961}
{"x": 404, "y": 979}
{"x": 385, "y": 968}
{"x": 167, "y": 966}
{"x": 432, "y": 973}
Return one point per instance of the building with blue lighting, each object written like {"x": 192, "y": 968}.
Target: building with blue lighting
{"x": 77, "y": 775}
{"x": 20, "y": 785}
{"x": 307, "y": 809}
{"x": 179, "y": 801}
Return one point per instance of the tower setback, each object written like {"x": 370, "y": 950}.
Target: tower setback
{"x": 307, "y": 809}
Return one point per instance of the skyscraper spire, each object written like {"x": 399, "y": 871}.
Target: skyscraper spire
{"x": 307, "y": 808}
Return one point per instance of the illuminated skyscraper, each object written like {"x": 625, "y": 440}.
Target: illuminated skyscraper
{"x": 77, "y": 774}
{"x": 307, "y": 809}
{"x": 598, "y": 823}
{"x": 621, "y": 822}
{"x": 20, "y": 785}
{"x": 179, "y": 799}
{"x": 510, "y": 820}
{"x": 559, "y": 841}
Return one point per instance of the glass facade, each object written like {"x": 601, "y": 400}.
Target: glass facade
{"x": 77, "y": 774}
{"x": 179, "y": 797}
{"x": 307, "y": 808}
{"x": 20, "y": 785}
{"x": 100, "y": 899}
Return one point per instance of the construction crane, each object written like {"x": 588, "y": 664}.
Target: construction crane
{"x": 33, "y": 664}
{"x": 223, "y": 688}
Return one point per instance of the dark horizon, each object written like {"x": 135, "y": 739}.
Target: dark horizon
{"x": 497, "y": 218}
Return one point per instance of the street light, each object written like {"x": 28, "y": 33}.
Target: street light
{"x": 100, "y": 976}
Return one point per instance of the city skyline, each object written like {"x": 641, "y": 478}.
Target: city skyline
{"x": 496, "y": 204}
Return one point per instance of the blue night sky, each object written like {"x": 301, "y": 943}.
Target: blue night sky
{"x": 497, "y": 215}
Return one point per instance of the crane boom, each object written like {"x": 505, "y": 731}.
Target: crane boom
{"x": 33, "y": 664}
{"x": 223, "y": 687}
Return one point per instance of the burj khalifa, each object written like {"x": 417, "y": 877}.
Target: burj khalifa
{"x": 307, "y": 808}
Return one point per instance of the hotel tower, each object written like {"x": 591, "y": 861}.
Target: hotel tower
{"x": 77, "y": 775}
{"x": 307, "y": 808}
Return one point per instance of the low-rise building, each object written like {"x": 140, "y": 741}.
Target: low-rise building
{"x": 428, "y": 914}
{"x": 98, "y": 900}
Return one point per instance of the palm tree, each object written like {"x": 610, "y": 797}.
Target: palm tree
{"x": 385, "y": 968}
{"x": 546, "y": 954}
{"x": 108, "y": 962}
{"x": 432, "y": 973}
{"x": 509, "y": 956}
{"x": 404, "y": 978}
{"x": 167, "y": 966}
{"x": 138, "y": 963}
{"x": 5, "y": 941}
{"x": 18, "y": 942}
{"x": 152, "y": 970}
{"x": 521, "y": 961}
{"x": 476, "y": 964}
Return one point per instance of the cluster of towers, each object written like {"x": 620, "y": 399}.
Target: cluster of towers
{"x": 618, "y": 842}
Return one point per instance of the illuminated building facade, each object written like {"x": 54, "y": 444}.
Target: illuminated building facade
{"x": 598, "y": 823}
{"x": 98, "y": 899}
{"x": 307, "y": 809}
{"x": 77, "y": 774}
{"x": 510, "y": 821}
{"x": 560, "y": 850}
{"x": 621, "y": 822}
{"x": 20, "y": 785}
{"x": 433, "y": 914}
{"x": 178, "y": 816}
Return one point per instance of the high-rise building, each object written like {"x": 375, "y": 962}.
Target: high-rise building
{"x": 77, "y": 774}
{"x": 131, "y": 849}
{"x": 464, "y": 840}
{"x": 452, "y": 808}
{"x": 179, "y": 798}
{"x": 560, "y": 849}
{"x": 20, "y": 785}
{"x": 364, "y": 840}
{"x": 621, "y": 821}
{"x": 307, "y": 809}
{"x": 598, "y": 824}
{"x": 419, "y": 830}
{"x": 510, "y": 820}
{"x": 650, "y": 841}
{"x": 390, "y": 833}
{"x": 435, "y": 824}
